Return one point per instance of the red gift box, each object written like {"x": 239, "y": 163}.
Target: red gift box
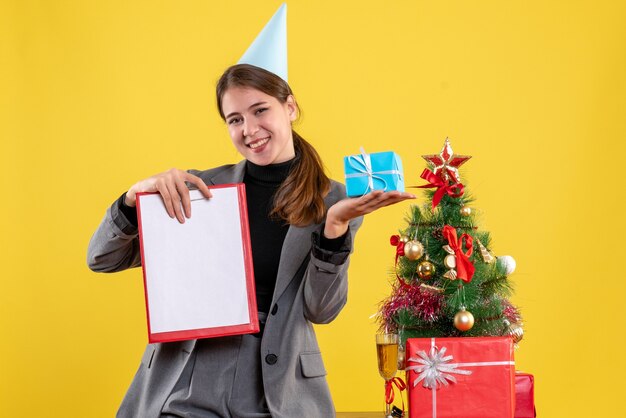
{"x": 460, "y": 377}
{"x": 524, "y": 395}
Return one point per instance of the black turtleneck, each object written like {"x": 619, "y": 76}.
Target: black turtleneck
{"x": 266, "y": 233}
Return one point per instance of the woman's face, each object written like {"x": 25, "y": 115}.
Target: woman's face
{"x": 259, "y": 125}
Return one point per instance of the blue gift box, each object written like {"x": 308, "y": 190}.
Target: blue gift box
{"x": 377, "y": 171}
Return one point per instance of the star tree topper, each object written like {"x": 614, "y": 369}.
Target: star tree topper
{"x": 446, "y": 164}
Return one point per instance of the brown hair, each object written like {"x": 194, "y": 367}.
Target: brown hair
{"x": 300, "y": 198}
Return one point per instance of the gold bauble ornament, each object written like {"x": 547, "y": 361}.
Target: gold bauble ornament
{"x": 449, "y": 261}
{"x": 413, "y": 250}
{"x": 516, "y": 332}
{"x": 466, "y": 211}
{"x": 425, "y": 270}
{"x": 463, "y": 320}
{"x": 405, "y": 238}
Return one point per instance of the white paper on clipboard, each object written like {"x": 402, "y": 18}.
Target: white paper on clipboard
{"x": 198, "y": 275}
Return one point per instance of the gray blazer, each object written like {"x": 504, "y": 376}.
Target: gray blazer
{"x": 308, "y": 290}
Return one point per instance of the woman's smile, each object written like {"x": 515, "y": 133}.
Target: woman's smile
{"x": 258, "y": 144}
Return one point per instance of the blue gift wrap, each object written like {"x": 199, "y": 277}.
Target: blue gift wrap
{"x": 377, "y": 171}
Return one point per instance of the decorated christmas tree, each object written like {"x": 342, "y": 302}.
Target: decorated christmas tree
{"x": 446, "y": 280}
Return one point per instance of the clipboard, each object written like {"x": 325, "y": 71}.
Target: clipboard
{"x": 198, "y": 276}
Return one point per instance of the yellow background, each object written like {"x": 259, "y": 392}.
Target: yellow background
{"x": 96, "y": 95}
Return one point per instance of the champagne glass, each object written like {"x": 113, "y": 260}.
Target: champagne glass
{"x": 387, "y": 352}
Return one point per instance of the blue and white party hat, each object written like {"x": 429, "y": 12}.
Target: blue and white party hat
{"x": 269, "y": 49}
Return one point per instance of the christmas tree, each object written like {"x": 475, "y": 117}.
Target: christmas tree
{"x": 446, "y": 281}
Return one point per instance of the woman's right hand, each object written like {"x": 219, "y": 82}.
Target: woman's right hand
{"x": 174, "y": 192}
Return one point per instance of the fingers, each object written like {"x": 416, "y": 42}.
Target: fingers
{"x": 199, "y": 183}
{"x": 176, "y": 199}
{"x": 183, "y": 192}
{"x": 393, "y": 201}
{"x": 173, "y": 190}
{"x": 175, "y": 193}
{"x": 171, "y": 198}
{"x": 370, "y": 197}
{"x": 378, "y": 199}
{"x": 347, "y": 209}
{"x": 161, "y": 187}
{"x": 396, "y": 197}
{"x": 172, "y": 193}
{"x": 393, "y": 198}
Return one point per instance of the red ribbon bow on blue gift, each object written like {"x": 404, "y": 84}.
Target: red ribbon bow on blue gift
{"x": 464, "y": 267}
{"x": 443, "y": 187}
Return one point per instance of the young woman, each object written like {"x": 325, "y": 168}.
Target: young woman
{"x": 302, "y": 229}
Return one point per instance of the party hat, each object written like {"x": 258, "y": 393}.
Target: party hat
{"x": 269, "y": 49}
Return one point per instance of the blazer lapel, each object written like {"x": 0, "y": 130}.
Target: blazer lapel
{"x": 233, "y": 174}
{"x": 296, "y": 247}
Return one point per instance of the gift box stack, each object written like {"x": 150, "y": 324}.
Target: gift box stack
{"x": 525, "y": 395}
{"x": 449, "y": 302}
{"x": 466, "y": 378}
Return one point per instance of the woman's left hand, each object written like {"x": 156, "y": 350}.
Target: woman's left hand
{"x": 340, "y": 214}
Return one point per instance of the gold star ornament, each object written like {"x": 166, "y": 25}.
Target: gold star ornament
{"x": 446, "y": 164}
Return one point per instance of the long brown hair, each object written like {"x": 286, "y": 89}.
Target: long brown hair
{"x": 300, "y": 198}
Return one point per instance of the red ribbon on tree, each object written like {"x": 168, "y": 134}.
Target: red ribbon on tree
{"x": 396, "y": 242}
{"x": 443, "y": 187}
{"x": 390, "y": 392}
{"x": 464, "y": 267}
